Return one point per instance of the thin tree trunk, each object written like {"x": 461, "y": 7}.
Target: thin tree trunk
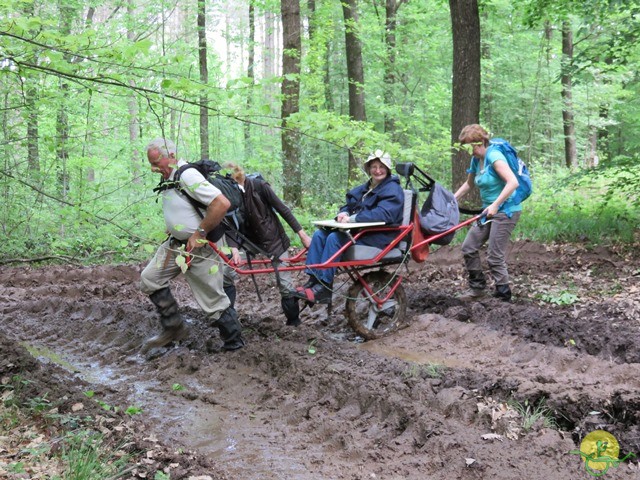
{"x": 592, "y": 159}
{"x": 33, "y": 152}
{"x": 31, "y": 101}
{"x": 465, "y": 104}
{"x": 355, "y": 73}
{"x": 204, "y": 79}
{"x": 132, "y": 107}
{"x": 268, "y": 66}
{"x": 568, "y": 124}
{"x": 390, "y": 65}
{"x": 291, "y": 53}
{"x": 248, "y": 150}
{"x": 62, "y": 118}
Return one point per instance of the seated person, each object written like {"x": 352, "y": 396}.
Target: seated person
{"x": 380, "y": 199}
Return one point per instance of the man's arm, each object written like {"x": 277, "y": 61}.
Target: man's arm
{"x": 213, "y": 216}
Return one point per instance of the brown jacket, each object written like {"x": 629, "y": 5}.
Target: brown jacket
{"x": 263, "y": 225}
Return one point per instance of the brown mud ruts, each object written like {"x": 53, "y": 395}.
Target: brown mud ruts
{"x": 315, "y": 402}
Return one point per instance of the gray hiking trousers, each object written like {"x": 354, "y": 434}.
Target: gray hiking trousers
{"x": 498, "y": 233}
{"x": 204, "y": 276}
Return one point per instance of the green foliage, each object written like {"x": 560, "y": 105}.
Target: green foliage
{"x": 430, "y": 370}
{"x": 582, "y": 208}
{"x": 133, "y": 410}
{"x": 531, "y": 414}
{"x": 88, "y": 458}
{"x": 88, "y": 198}
{"x": 561, "y": 298}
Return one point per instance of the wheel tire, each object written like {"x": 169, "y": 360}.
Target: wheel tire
{"x": 364, "y": 317}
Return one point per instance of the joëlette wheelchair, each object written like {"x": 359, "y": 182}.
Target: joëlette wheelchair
{"x": 376, "y": 302}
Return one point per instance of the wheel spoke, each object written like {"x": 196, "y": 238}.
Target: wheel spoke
{"x": 363, "y": 313}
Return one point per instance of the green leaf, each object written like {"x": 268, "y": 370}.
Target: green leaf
{"x": 265, "y": 109}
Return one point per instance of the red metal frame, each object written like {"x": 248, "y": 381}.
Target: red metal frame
{"x": 297, "y": 262}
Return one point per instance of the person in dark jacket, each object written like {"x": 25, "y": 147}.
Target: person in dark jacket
{"x": 380, "y": 199}
{"x": 266, "y": 231}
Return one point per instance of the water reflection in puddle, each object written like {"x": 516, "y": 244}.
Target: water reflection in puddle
{"x": 421, "y": 358}
{"x": 249, "y": 446}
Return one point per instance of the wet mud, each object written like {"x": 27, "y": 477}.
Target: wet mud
{"x": 437, "y": 399}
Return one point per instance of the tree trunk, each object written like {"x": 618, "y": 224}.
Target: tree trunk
{"x": 570, "y": 154}
{"x": 291, "y": 53}
{"x": 31, "y": 102}
{"x": 33, "y": 152}
{"x": 465, "y": 104}
{"x": 390, "y": 65}
{"x": 355, "y": 73}
{"x": 268, "y": 67}
{"x": 251, "y": 75}
{"x": 592, "y": 159}
{"x": 204, "y": 79}
{"x": 132, "y": 107}
{"x": 62, "y": 118}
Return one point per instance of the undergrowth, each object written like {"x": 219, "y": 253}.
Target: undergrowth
{"x": 590, "y": 207}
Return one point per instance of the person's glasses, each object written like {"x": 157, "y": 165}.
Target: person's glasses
{"x": 468, "y": 147}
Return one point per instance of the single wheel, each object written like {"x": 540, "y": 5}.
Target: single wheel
{"x": 365, "y": 317}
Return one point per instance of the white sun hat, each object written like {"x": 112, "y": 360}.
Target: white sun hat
{"x": 384, "y": 157}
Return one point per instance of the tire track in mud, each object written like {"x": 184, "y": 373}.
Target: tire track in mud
{"x": 272, "y": 410}
{"x": 571, "y": 383}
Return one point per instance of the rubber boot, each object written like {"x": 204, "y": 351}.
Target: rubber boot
{"x": 477, "y": 285}
{"x": 291, "y": 309}
{"x": 230, "y": 290}
{"x": 173, "y": 327}
{"x": 503, "y": 292}
{"x": 230, "y": 330}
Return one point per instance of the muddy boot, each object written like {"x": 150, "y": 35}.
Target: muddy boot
{"x": 477, "y": 285}
{"x": 230, "y": 330}
{"x": 311, "y": 282}
{"x": 503, "y": 292}
{"x": 173, "y": 327}
{"x": 230, "y": 290}
{"x": 291, "y": 309}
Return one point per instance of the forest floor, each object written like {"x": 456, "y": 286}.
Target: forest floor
{"x": 485, "y": 390}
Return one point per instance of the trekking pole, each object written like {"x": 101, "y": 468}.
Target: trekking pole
{"x": 253, "y": 277}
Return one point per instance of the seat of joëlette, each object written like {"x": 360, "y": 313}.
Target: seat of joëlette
{"x": 364, "y": 252}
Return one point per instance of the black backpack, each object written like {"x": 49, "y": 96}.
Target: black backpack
{"x": 236, "y": 214}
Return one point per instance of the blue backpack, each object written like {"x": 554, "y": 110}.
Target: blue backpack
{"x": 525, "y": 186}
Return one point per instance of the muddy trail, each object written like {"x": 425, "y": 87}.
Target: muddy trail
{"x": 437, "y": 399}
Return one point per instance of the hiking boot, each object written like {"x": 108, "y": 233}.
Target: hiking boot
{"x": 319, "y": 293}
{"x": 230, "y": 330}
{"x": 168, "y": 335}
{"x": 471, "y": 295}
{"x": 291, "y": 309}
{"x": 503, "y": 292}
{"x": 311, "y": 282}
{"x": 231, "y": 293}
